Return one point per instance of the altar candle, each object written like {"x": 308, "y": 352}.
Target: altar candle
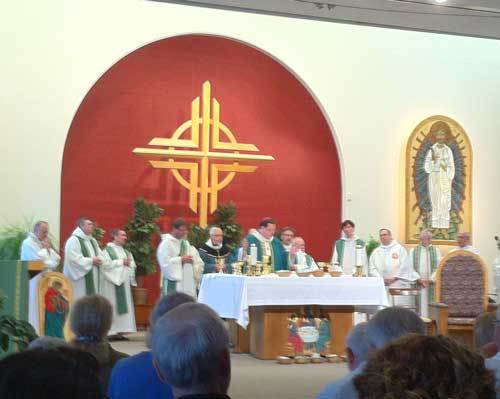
{"x": 253, "y": 254}
{"x": 359, "y": 255}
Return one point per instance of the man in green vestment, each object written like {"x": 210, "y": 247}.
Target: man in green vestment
{"x": 266, "y": 244}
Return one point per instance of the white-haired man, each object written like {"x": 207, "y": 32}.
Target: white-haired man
{"x": 464, "y": 243}
{"x": 82, "y": 260}
{"x": 387, "y": 325}
{"x": 119, "y": 276}
{"x": 299, "y": 260}
{"x": 191, "y": 352}
{"x": 357, "y": 349}
{"x": 180, "y": 262}
{"x": 37, "y": 246}
{"x": 215, "y": 254}
{"x": 421, "y": 266}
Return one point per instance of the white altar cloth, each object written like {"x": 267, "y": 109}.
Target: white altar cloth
{"x": 230, "y": 295}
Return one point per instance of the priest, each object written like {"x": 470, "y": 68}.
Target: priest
{"x": 464, "y": 243}
{"x": 386, "y": 261}
{"x": 118, "y": 276}
{"x": 287, "y": 235}
{"x": 216, "y": 256}
{"x": 37, "y": 246}
{"x": 349, "y": 251}
{"x": 421, "y": 267}
{"x": 299, "y": 260}
{"x": 83, "y": 259}
{"x": 263, "y": 243}
{"x": 180, "y": 262}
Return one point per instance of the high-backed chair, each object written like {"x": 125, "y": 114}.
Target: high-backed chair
{"x": 461, "y": 293}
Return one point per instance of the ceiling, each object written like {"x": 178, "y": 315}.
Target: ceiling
{"x": 480, "y": 18}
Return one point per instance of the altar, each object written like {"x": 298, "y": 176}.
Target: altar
{"x": 261, "y": 306}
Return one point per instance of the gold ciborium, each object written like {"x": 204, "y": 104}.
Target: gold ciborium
{"x": 266, "y": 265}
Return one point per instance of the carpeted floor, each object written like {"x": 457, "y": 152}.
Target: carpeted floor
{"x": 253, "y": 378}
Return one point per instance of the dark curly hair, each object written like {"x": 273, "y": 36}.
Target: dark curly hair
{"x": 423, "y": 367}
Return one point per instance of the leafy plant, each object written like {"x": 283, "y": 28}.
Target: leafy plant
{"x": 371, "y": 244}
{"x": 11, "y": 238}
{"x": 98, "y": 234}
{"x": 498, "y": 241}
{"x": 14, "y": 334}
{"x": 197, "y": 235}
{"x": 141, "y": 229}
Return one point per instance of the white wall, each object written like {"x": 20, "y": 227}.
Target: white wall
{"x": 374, "y": 84}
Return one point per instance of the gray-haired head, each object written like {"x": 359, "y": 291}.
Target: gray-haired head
{"x": 190, "y": 350}
{"x": 164, "y": 305}
{"x": 91, "y": 317}
{"x": 392, "y": 323}
{"x": 38, "y": 225}
{"x": 484, "y": 329}
{"x": 47, "y": 343}
{"x": 426, "y": 233}
{"x": 357, "y": 345}
{"x": 214, "y": 230}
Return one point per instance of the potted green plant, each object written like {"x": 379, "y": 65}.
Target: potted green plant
{"x": 141, "y": 229}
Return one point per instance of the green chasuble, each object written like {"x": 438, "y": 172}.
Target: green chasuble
{"x": 121, "y": 297}
{"x": 417, "y": 252}
{"x": 90, "y": 287}
{"x": 340, "y": 245}
{"x": 279, "y": 258}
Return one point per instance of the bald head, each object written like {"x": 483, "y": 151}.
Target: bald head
{"x": 463, "y": 239}
{"x": 299, "y": 244}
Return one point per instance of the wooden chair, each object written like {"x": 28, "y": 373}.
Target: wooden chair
{"x": 461, "y": 293}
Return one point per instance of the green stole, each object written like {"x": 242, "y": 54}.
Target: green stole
{"x": 340, "y": 246}
{"x": 293, "y": 260}
{"x": 89, "y": 277}
{"x": 171, "y": 287}
{"x": 416, "y": 258}
{"x": 121, "y": 297}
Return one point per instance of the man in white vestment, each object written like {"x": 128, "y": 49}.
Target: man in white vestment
{"x": 37, "y": 246}
{"x": 118, "y": 275}
{"x": 386, "y": 261}
{"x": 464, "y": 243}
{"x": 83, "y": 259}
{"x": 180, "y": 262}
{"x": 349, "y": 251}
{"x": 421, "y": 267}
{"x": 299, "y": 260}
{"x": 440, "y": 166}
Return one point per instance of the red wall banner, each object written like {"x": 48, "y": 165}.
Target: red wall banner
{"x": 148, "y": 94}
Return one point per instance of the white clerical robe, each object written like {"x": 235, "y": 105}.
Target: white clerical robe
{"x": 386, "y": 262}
{"x": 31, "y": 249}
{"x": 423, "y": 270}
{"x": 304, "y": 262}
{"x": 186, "y": 276}
{"x": 469, "y": 248}
{"x": 115, "y": 273}
{"x": 441, "y": 171}
{"x": 350, "y": 257}
{"x": 76, "y": 266}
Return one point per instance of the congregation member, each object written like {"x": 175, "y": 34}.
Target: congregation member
{"x": 47, "y": 342}
{"x": 266, "y": 244}
{"x": 464, "y": 243}
{"x": 387, "y": 260}
{"x": 349, "y": 251}
{"x": 357, "y": 349}
{"x": 484, "y": 334}
{"x": 385, "y": 326}
{"x": 421, "y": 266}
{"x": 37, "y": 246}
{"x": 118, "y": 277}
{"x": 286, "y": 236}
{"x": 419, "y": 366}
{"x": 90, "y": 323}
{"x": 180, "y": 262}
{"x": 135, "y": 376}
{"x": 191, "y": 352}
{"x": 216, "y": 256}
{"x": 493, "y": 362}
{"x": 82, "y": 260}
{"x": 56, "y": 373}
{"x": 300, "y": 261}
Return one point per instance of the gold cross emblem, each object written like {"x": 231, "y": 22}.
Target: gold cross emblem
{"x": 197, "y": 154}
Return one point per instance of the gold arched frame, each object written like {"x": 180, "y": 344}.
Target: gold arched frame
{"x": 421, "y": 131}
{"x": 44, "y": 283}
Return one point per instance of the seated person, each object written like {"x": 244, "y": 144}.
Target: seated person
{"x": 135, "y": 376}
{"x": 419, "y": 366}
{"x": 268, "y": 245}
{"x": 215, "y": 254}
{"x": 90, "y": 322}
{"x": 57, "y": 373}
{"x": 299, "y": 260}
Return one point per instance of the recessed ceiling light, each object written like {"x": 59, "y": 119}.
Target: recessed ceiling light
{"x": 440, "y": 1}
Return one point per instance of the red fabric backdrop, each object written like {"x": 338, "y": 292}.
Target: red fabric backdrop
{"x": 148, "y": 94}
